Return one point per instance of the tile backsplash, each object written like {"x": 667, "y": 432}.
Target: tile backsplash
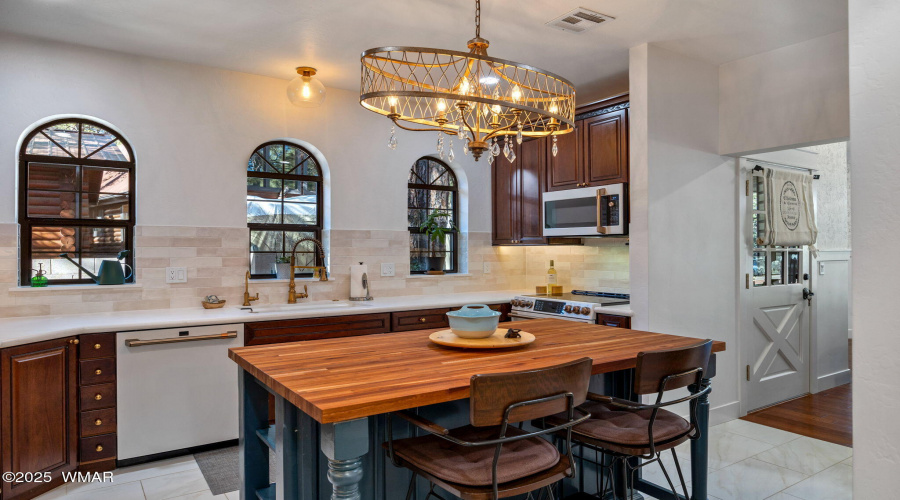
{"x": 216, "y": 259}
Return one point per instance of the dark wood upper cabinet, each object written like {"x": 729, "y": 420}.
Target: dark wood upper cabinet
{"x": 596, "y": 153}
{"x": 517, "y": 188}
{"x": 605, "y": 148}
{"x": 565, "y": 170}
{"x": 38, "y": 408}
{"x": 531, "y": 185}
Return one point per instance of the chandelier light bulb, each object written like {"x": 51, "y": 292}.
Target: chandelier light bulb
{"x": 464, "y": 86}
{"x": 305, "y": 90}
{"x": 441, "y": 105}
{"x": 516, "y": 93}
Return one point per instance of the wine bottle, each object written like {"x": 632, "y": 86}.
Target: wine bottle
{"x": 551, "y": 277}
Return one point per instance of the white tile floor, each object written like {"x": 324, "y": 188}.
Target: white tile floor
{"x": 747, "y": 462}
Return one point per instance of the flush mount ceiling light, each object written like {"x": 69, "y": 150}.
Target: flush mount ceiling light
{"x": 477, "y": 98}
{"x": 306, "y": 90}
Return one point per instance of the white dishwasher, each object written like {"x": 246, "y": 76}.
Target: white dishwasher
{"x": 176, "y": 388}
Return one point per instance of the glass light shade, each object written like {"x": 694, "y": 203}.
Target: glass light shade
{"x": 306, "y": 91}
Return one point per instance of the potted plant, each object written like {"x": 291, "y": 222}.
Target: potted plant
{"x": 436, "y": 226}
{"x": 283, "y": 268}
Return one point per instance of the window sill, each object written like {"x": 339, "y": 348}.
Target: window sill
{"x": 264, "y": 281}
{"x": 62, "y": 288}
{"x": 448, "y": 275}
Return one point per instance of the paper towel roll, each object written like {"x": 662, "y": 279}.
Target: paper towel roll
{"x": 356, "y": 280}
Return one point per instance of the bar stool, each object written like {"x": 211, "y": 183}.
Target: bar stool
{"x": 491, "y": 459}
{"x": 626, "y": 429}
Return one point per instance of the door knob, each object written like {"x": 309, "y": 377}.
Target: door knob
{"x": 808, "y": 295}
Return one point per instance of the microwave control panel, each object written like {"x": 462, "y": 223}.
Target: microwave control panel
{"x": 609, "y": 210}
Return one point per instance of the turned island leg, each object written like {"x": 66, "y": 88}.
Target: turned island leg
{"x": 345, "y": 444}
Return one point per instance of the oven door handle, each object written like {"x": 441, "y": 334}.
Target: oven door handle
{"x": 172, "y": 340}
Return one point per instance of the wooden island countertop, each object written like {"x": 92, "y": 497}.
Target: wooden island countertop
{"x": 335, "y": 380}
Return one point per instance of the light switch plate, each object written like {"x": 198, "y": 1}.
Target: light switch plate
{"x": 176, "y": 275}
{"x": 821, "y": 268}
{"x": 387, "y": 269}
{"x": 487, "y": 268}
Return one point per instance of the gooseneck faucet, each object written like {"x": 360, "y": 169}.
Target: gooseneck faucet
{"x": 247, "y": 297}
{"x": 322, "y": 270}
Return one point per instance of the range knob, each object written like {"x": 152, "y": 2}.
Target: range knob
{"x": 528, "y": 304}
{"x": 567, "y": 309}
{"x": 515, "y": 303}
{"x": 585, "y": 310}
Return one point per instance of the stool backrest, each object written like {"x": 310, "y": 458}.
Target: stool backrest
{"x": 492, "y": 394}
{"x": 653, "y": 368}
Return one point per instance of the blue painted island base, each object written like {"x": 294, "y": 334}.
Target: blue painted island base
{"x": 345, "y": 460}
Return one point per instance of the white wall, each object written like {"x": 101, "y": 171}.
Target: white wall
{"x": 874, "y": 150}
{"x": 795, "y": 95}
{"x": 193, "y": 127}
{"x": 683, "y": 220}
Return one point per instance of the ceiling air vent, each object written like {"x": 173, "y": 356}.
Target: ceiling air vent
{"x": 579, "y": 20}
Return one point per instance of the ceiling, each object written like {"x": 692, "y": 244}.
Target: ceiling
{"x": 271, "y": 37}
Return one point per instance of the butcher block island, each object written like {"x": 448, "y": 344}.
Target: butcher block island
{"x": 332, "y": 397}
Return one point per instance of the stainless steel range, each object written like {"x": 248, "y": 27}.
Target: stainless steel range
{"x": 575, "y": 306}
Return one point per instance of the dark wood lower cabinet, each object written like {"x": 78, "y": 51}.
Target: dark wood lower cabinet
{"x": 292, "y": 330}
{"x": 614, "y": 321}
{"x": 38, "y": 409}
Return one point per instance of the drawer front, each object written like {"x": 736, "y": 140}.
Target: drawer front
{"x": 614, "y": 321}
{"x": 97, "y": 371}
{"x": 97, "y": 345}
{"x": 94, "y": 397}
{"x": 272, "y": 332}
{"x": 96, "y": 422}
{"x": 419, "y": 320}
{"x": 97, "y": 448}
{"x": 504, "y": 309}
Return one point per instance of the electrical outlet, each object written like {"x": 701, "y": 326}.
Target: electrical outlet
{"x": 487, "y": 268}
{"x": 387, "y": 269}
{"x": 176, "y": 275}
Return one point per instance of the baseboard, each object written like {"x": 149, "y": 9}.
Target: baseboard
{"x": 832, "y": 380}
{"x": 174, "y": 453}
{"x": 724, "y": 413}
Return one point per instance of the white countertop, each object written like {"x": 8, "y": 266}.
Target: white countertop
{"x": 17, "y": 331}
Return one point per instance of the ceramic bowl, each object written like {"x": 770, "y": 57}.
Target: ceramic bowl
{"x": 474, "y": 321}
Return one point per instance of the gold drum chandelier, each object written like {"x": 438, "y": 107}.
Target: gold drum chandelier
{"x": 468, "y": 95}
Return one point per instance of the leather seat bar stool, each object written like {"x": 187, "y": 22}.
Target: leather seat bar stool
{"x": 492, "y": 458}
{"x": 623, "y": 431}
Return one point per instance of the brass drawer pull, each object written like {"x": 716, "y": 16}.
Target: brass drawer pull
{"x": 99, "y": 447}
{"x": 98, "y": 371}
{"x": 73, "y": 341}
{"x": 136, "y": 343}
{"x": 98, "y": 396}
{"x": 422, "y": 320}
{"x": 98, "y": 422}
{"x": 97, "y": 346}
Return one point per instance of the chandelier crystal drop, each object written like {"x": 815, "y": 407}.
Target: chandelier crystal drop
{"x": 450, "y": 155}
{"x": 392, "y": 143}
{"x": 555, "y": 148}
{"x": 468, "y": 94}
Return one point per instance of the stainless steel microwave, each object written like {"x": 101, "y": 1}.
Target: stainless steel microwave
{"x": 593, "y": 211}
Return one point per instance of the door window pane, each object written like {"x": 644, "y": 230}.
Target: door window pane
{"x": 777, "y": 277}
{"x": 759, "y": 268}
{"x": 793, "y": 274}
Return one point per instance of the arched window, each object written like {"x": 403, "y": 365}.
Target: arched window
{"x": 284, "y": 205}
{"x": 76, "y": 196}
{"x": 433, "y": 188}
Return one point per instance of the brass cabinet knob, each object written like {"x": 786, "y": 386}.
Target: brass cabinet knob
{"x": 97, "y": 346}
{"x": 98, "y": 422}
{"x": 422, "y": 320}
{"x": 99, "y": 447}
{"x": 73, "y": 341}
{"x": 98, "y": 396}
{"x": 98, "y": 371}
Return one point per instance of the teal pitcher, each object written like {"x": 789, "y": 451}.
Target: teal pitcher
{"x": 110, "y": 272}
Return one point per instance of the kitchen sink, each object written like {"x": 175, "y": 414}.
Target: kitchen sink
{"x": 309, "y": 306}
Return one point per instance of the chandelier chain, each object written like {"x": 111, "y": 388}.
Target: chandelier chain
{"x": 477, "y": 18}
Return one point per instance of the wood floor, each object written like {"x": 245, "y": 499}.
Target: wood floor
{"x": 824, "y": 416}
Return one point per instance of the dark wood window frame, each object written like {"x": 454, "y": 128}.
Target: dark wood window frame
{"x": 454, "y": 188}
{"x": 286, "y": 228}
{"x": 27, "y": 223}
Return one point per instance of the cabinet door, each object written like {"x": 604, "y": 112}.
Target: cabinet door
{"x": 38, "y": 428}
{"x": 293, "y": 330}
{"x": 505, "y": 198}
{"x": 532, "y": 155}
{"x": 565, "y": 170}
{"x": 605, "y": 148}
{"x": 405, "y": 321}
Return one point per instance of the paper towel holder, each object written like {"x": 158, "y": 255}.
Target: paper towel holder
{"x": 365, "y": 284}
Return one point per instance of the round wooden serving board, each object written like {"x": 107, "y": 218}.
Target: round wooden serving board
{"x": 495, "y": 341}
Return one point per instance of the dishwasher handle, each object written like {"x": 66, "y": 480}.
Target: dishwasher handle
{"x": 172, "y": 340}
